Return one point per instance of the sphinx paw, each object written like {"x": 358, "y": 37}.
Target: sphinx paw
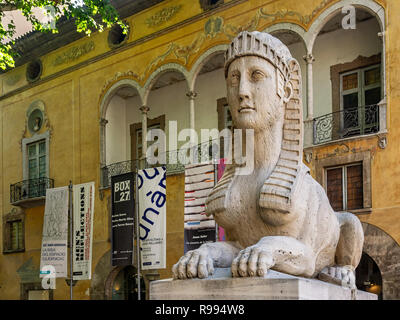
{"x": 194, "y": 264}
{"x": 252, "y": 261}
{"x": 340, "y": 275}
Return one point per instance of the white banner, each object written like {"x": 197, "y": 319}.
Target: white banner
{"x": 83, "y": 230}
{"x": 152, "y": 217}
{"x": 55, "y": 232}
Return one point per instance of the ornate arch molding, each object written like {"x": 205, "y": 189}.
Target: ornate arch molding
{"x": 287, "y": 26}
{"x": 369, "y": 5}
{"x": 202, "y": 60}
{"x": 105, "y": 100}
{"x": 386, "y": 253}
{"x": 152, "y": 79}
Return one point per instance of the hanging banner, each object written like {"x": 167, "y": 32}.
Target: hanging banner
{"x": 55, "y": 232}
{"x": 199, "y": 229}
{"x": 83, "y": 195}
{"x": 220, "y": 171}
{"x": 122, "y": 219}
{"x": 152, "y": 217}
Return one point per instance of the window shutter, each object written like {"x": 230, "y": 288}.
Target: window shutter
{"x": 335, "y": 188}
{"x": 354, "y": 187}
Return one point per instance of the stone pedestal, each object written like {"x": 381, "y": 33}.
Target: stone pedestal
{"x": 274, "y": 286}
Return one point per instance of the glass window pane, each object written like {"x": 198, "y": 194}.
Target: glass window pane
{"x": 350, "y": 100}
{"x": 372, "y": 96}
{"x": 33, "y": 169}
{"x": 42, "y": 166}
{"x": 334, "y": 185}
{"x": 350, "y": 81}
{"x": 354, "y": 187}
{"x": 32, "y": 150}
{"x": 42, "y": 148}
{"x": 372, "y": 76}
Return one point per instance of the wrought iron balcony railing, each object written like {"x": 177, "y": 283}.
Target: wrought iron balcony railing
{"x": 346, "y": 123}
{"x": 30, "y": 189}
{"x": 174, "y": 160}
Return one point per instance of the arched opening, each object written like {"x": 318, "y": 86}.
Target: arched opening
{"x": 123, "y": 108}
{"x": 298, "y": 50}
{"x": 167, "y": 102}
{"x": 348, "y": 75}
{"x": 211, "y": 106}
{"x": 368, "y": 276}
{"x": 119, "y": 109}
{"x": 125, "y": 285}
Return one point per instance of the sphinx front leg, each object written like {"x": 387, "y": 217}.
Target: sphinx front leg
{"x": 283, "y": 254}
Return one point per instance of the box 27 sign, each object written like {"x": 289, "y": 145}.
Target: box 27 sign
{"x": 122, "y": 217}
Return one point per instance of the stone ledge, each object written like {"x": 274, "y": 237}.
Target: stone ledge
{"x": 273, "y": 286}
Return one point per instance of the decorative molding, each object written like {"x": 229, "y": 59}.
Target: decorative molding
{"x": 309, "y": 58}
{"x": 118, "y": 76}
{"x": 144, "y": 109}
{"x": 191, "y": 95}
{"x": 308, "y": 156}
{"x": 382, "y": 140}
{"x": 162, "y": 16}
{"x": 29, "y": 272}
{"x": 74, "y": 53}
{"x": 13, "y": 79}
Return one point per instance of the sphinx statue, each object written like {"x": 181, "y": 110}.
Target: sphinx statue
{"x": 278, "y": 217}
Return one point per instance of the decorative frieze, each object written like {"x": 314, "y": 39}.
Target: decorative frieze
{"x": 162, "y": 16}
{"x": 74, "y": 53}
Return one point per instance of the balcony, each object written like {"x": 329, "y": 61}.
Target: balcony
{"x": 347, "y": 123}
{"x": 175, "y": 161}
{"x": 30, "y": 193}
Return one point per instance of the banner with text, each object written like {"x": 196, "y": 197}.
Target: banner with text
{"x": 55, "y": 232}
{"x": 83, "y": 230}
{"x": 198, "y": 228}
{"x": 122, "y": 219}
{"x": 152, "y": 217}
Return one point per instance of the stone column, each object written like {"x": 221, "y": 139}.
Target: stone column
{"x": 144, "y": 110}
{"x": 103, "y": 150}
{"x": 103, "y": 123}
{"x": 309, "y": 58}
{"x": 308, "y": 122}
{"x": 191, "y": 95}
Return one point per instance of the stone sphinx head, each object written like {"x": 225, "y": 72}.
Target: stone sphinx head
{"x": 264, "y": 94}
{"x": 258, "y": 80}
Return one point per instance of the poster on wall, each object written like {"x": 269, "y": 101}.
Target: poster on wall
{"x": 122, "y": 219}
{"x": 152, "y": 217}
{"x": 83, "y": 195}
{"x": 55, "y": 232}
{"x": 198, "y": 228}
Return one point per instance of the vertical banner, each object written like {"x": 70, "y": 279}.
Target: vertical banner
{"x": 122, "y": 219}
{"x": 199, "y": 229}
{"x": 220, "y": 172}
{"x": 83, "y": 195}
{"x": 152, "y": 217}
{"x": 55, "y": 232}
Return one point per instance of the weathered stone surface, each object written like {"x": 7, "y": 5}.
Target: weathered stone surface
{"x": 277, "y": 216}
{"x": 273, "y": 286}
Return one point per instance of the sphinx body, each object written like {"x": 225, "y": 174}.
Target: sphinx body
{"x": 277, "y": 217}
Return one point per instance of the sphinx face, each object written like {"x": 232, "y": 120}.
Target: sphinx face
{"x": 252, "y": 93}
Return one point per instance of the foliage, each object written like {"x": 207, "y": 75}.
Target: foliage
{"x": 89, "y": 16}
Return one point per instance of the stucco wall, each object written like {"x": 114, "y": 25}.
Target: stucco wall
{"x": 73, "y": 100}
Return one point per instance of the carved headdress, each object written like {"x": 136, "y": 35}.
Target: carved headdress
{"x": 279, "y": 188}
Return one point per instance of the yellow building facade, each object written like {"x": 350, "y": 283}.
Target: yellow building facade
{"x": 92, "y": 95}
